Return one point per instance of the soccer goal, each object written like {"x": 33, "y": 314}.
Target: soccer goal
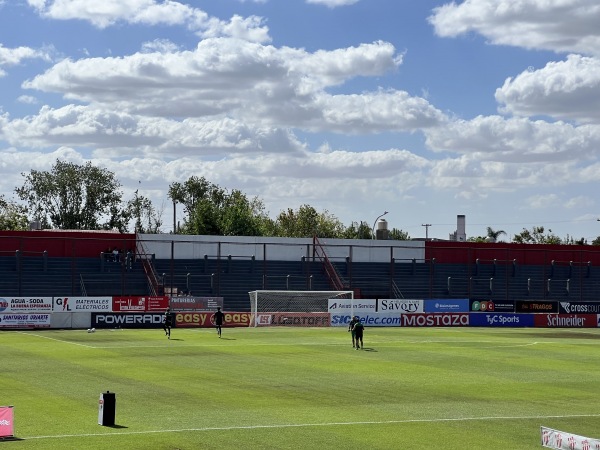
{"x": 294, "y": 308}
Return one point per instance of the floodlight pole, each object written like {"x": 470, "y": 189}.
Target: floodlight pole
{"x": 375, "y": 223}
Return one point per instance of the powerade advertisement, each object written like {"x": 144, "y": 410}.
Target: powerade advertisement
{"x": 501, "y": 320}
{"x": 447, "y": 306}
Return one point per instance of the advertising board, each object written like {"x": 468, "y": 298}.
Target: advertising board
{"x": 127, "y": 320}
{"x": 206, "y": 319}
{"x": 399, "y": 305}
{"x": 372, "y": 319}
{"x": 190, "y": 303}
{"x": 500, "y": 320}
{"x": 25, "y": 304}
{"x": 447, "y": 305}
{"x": 25, "y": 320}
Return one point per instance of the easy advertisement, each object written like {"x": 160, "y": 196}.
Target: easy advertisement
{"x": 206, "y": 319}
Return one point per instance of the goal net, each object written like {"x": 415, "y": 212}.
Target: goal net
{"x": 294, "y": 308}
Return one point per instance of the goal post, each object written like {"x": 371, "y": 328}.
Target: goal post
{"x": 296, "y": 308}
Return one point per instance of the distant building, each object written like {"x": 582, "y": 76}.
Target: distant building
{"x": 460, "y": 235}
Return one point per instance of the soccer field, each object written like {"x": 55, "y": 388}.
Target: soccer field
{"x": 301, "y": 388}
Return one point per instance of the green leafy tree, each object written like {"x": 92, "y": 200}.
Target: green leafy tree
{"x": 537, "y": 235}
{"x": 357, "y": 230}
{"x": 13, "y": 216}
{"x": 596, "y": 241}
{"x": 307, "y": 222}
{"x": 146, "y": 218}
{"x": 71, "y": 196}
{"x": 399, "y": 235}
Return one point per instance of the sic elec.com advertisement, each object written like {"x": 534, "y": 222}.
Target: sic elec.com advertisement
{"x": 372, "y": 319}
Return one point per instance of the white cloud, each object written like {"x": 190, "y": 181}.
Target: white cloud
{"x": 557, "y": 25}
{"x": 517, "y": 139}
{"x": 254, "y": 83}
{"x": 106, "y": 13}
{"x": 565, "y": 90}
{"x": 14, "y": 56}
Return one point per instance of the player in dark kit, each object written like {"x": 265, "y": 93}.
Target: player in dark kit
{"x": 351, "y": 329}
{"x": 167, "y": 322}
{"x": 218, "y": 319}
{"x": 358, "y": 334}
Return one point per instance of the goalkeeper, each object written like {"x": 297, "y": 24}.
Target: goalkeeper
{"x": 351, "y": 330}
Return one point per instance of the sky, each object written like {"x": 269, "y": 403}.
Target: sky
{"x": 425, "y": 109}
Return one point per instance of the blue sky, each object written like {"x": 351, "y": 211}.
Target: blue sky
{"x": 426, "y": 109}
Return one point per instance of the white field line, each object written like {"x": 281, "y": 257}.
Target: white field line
{"x": 57, "y": 340}
{"x": 310, "y": 425}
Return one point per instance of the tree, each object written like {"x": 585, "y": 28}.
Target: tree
{"x": 13, "y": 216}
{"x": 493, "y": 235}
{"x": 146, "y": 218}
{"x": 536, "y": 236}
{"x": 357, "y": 230}
{"x": 76, "y": 197}
{"x": 307, "y": 222}
{"x": 399, "y": 235}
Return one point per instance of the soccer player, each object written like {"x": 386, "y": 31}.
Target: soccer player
{"x": 351, "y": 329}
{"x": 358, "y": 334}
{"x": 167, "y": 322}
{"x": 218, "y": 317}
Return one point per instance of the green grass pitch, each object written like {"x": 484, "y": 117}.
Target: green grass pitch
{"x": 301, "y": 388}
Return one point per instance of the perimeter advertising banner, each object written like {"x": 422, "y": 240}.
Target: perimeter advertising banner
{"x": 566, "y": 320}
{"x": 190, "y": 303}
{"x": 206, "y": 319}
{"x": 351, "y": 306}
{"x": 562, "y": 440}
{"x": 493, "y": 305}
{"x": 127, "y": 320}
{"x": 138, "y": 303}
{"x": 400, "y": 305}
{"x": 26, "y": 304}
{"x": 501, "y": 320}
{"x": 292, "y": 319}
{"x": 7, "y": 421}
{"x": 447, "y": 305}
{"x": 28, "y": 320}
{"x": 527, "y": 306}
{"x": 83, "y": 304}
{"x": 435, "y": 320}
{"x": 373, "y": 319}
{"x": 578, "y": 308}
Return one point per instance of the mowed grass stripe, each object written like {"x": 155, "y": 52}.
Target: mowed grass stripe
{"x": 298, "y": 387}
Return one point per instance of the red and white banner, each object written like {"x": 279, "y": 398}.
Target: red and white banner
{"x": 561, "y": 440}
{"x": 7, "y": 428}
{"x": 293, "y": 319}
{"x": 25, "y": 320}
{"x": 565, "y": 320}
{"x": 26, "y": 304}
{"x": 435, "y": 320}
